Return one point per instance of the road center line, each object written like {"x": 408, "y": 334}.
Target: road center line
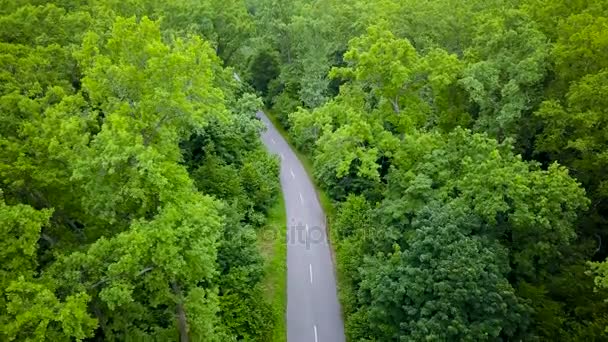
{"x": 293, "y": 175}
{"x": 301, "y": 198}
{"x": 274, "y": 142}
{"x": 316, "y": 337}
{"x": 310, "y": 272}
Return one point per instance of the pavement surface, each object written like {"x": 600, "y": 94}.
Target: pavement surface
{"x": 313, "y": 310}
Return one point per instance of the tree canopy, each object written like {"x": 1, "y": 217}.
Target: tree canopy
{"x": 119, "y": 123}
{"x": 463, "y": 146}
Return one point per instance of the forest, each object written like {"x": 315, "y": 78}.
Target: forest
{"x": 463, "y": 145}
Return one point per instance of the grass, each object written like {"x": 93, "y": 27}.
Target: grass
{"x": 271, "y": 240}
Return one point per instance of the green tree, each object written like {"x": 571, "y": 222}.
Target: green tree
{"x": 445, "y": 285}
{"x": 458, "y": 203}
{"x": 509, "y": 61}
{"x": 263, "y": 69}
{"x": 92, "y": 131}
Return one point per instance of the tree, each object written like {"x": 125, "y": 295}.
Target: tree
{"x": 532, "y": 211}
{"x": 32, "y": 309}
{"x": 409, "y": 90}
{"x": 135, "y": 155}
{"x": 444, "y": 285}
{"x": 156, "y": 279}
{"x": 106, "y": 236}
{"x": 312, "y": 49}
{"x": 573, "y": 132}
{"x": 509, "y": 62}
{"x": 462, "y": 223}
{"x": 263, "y": 69}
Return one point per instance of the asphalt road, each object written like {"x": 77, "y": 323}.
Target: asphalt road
{"x": 313, "y": 310}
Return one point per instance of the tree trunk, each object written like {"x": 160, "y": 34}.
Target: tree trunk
{"x": 395, "y": 104}
{"x": 182, "y": 322}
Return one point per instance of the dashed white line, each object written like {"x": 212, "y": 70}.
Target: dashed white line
{"x": 282, "y": 156}
{"x": 274, "y": 142}
{"x": 301, "y": 198}
{"x": 310, "y": 272}
{"x": 316, "y": 337}
{"x": 293, "y": 175}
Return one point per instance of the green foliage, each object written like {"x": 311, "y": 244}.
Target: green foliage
{"x": 531, "y": 210}
{"x": 444, "y": 286}
{"x": 579, "y": 45}
{"x": 311, "y": 48}
{"x": 526, "y": 77}
{"x": 112, "y": 114}
{"x": 509, "y": 62}
{"x": 284, "y": 104}
{"x": 263, "y": 68}
{"x": 134, "y": 180}
{"x": 462, "y": 222}
{"x": 21, "y": 229}
{"x": 574, "y": 134}
{"x": 38, "y": 315}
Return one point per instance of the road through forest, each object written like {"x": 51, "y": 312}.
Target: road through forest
{"x": 313, "y": 310}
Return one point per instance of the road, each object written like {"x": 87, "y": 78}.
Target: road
{"x": 313, "y": 310}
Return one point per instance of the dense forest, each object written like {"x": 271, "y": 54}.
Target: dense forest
{"x": 464, "y": 145}
{"x": 133, "y": 178}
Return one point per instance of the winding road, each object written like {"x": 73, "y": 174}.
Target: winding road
{"x": 313, "y": 310}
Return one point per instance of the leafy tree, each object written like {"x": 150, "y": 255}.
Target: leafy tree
{"x": 498, "y": 186}
{"x": 573, "y": 132}
{"x": 154, "y": 279}
{"x": 312, "y": 50}
{"x": 509, "y": 62}
{"x": 144, "y": 116}
{"x": 263, "y": 69}
{"x": 21, "y": 229}
{"x": 36, "y": 314}
{"x": 409, "y": 91}
{"x": 107, "y": 236}
{"x": 459, "y": 203}
{"x": 33, "y": 311}
{"x": 445, "y": 285}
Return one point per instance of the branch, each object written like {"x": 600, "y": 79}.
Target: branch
{"x": 395, "y": 104}
{"x": 105, "y": 280}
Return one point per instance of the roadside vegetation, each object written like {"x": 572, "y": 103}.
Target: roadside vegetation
{"x": 271, "y": 240}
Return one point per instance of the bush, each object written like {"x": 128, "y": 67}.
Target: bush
{"x": 284, "y": 104}
{"x": 263, "y": 68}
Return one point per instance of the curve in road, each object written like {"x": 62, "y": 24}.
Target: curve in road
{"x": 313, "y": 310}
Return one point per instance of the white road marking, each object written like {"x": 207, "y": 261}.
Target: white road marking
{"x": 282, "y": 156}
{"x": 301, "y": 198}
{"x": 307, "y": 234}
{"x": 310, "y": 272}
{"x": 307, "y": 229}
{"x": 274, "y": 142}
{"x": 293, "y": 175}
{"x": 316, "y": 337}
